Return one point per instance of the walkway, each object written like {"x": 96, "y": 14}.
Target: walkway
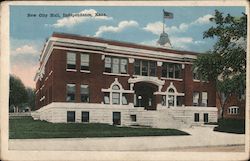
{"x": 200, "y": 137}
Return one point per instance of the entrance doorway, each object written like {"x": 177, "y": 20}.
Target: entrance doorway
{"x": 116, "y": 118}
{"x": 144, "y": 95}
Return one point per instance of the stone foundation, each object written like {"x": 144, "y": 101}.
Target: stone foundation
{"x": 173, "y": 117}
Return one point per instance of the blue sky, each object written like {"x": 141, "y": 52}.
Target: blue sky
{"x": 131, "y": 24}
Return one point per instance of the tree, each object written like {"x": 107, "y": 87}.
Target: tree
{"x": 225, "y": 64}
{"x": 31, "y": 98}
{"x": 17, "y": 94}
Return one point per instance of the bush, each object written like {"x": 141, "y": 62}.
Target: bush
{"x": 231, "y": 126}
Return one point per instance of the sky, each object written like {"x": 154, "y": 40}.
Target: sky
{"x": 141, "y": 25}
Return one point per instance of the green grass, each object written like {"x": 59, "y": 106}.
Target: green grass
{"x": 27, "y": 128}
{"x": 231, "y": 126}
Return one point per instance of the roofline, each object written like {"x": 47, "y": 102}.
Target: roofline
{"x": 121, "y": 43}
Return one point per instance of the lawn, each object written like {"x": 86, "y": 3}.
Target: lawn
{"x": 27, "y": 128}
{"x": 231, "y": 126}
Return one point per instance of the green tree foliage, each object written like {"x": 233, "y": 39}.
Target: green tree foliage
{"x": 18, "y": 95}
{"x": 225, "y": 64}
{"x": 31, "y": 98}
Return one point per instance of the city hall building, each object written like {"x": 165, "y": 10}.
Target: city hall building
{"x": 92, "y": 80}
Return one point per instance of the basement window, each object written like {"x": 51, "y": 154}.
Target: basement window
{"x": 133, "y": 118}
{"x": 70, "y": 116}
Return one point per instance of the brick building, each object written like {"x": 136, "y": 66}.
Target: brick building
{"x": 86, "y": 79}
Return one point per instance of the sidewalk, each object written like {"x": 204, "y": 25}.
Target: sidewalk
{"x": 199, "y": 137}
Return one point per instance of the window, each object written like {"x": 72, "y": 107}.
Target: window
{"x": 171, "y": 100}
{"x": 70, "y": 116}
{"x": 84, "y": 93}
{"x": 195, "y": 74}
{"x": 116, "y": 118}
{"x": 116, "y": 65}
{"x": 85, "y": 116}
{"x": 133, "y": 118}
{"x": 145, "y": 68}
{"x": 137, "y": 67}
{"x": 71, "y": 92}
{"x": 144, "y": 71}
{"x": 180, "y": 100}
{"x": 196, "y": 99}
{"x": 124, "y": 99}
{"x": 115, "y": 98}
{"x": 124, "y": 64}
{"x": 204, "y": 99}
{"x": 106, "y": 98}
{"x": 84, "y": 61}
{"x": 71, "y": 61}
{"x": 152, "y": 68}
{"x": 205, "y": 117}
{"x": 108, "y": 64}
{"x": 163, "y": 100}
{"x": 171, "y": 70}
{"x": 196, "y": 117}
{"x": 116, "y": 95}
{"x": 233, "y": 110}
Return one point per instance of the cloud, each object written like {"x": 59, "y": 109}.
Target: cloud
{"x": 202, "y": 20}
{"x": 25, "y": 49}
{"x": 156, "y": 27}
{"x": 24, "y": 61}
{"x": 76, "y": 18}
{"x": 121, "y": 26}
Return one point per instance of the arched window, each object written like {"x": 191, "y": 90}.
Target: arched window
{"x": 171, "y": 90}
{"x": 172, "y": 98}
{"x": 115, "y": 87}
{"x": 115, "y": 95}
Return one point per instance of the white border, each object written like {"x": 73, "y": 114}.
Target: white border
{"x": 104, "y": 155}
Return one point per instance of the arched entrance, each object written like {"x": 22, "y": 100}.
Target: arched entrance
{"x": 144, "y": 95}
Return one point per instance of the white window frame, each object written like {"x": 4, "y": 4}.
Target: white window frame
{"x": 234, "y": 110}
{"x": 84, "y": 62}
{"x": 121, "y": 92}
{"x": 175, "y": 94}
{"x": 71, "y": 61}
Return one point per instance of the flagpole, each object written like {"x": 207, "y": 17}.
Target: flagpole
{"x": 163, "y": 22}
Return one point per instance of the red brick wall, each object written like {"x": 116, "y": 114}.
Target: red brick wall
{"x": 97, "y": 80}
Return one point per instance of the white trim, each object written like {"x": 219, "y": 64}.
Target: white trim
{"x": 196, "y": 80}
{"x": 131, "y": 60}
{"x": 37, "y": 91}
{"x": 175, "y": 94}
{"x": 71, "y": 70}
{"x": 85, "y": 71}
{"x": 121, "y": 91}
{"x": 105, "y": 48}
{"x": 172, "y": 79}
{"x": 117, "y": 74}
{"x": 41, "y": 99}
{"x": 80, "y": 50}
{"x": 46, "y": 78}
{"x": 150, "y": 79}
{"x": 50, "y": 72}
{"x": 159, "y": 63}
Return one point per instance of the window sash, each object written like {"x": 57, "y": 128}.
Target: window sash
{"x": 115, "y": 98}
{"x": 70, "y": 92}
{"x": 84, "y": 61}
{"x": 71, "y": 58}
{"x": 196, "y": 98}
{"x": 85, "y": 116}
{"x": 106, "y": 98}
{"x": 124, "y": 99}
